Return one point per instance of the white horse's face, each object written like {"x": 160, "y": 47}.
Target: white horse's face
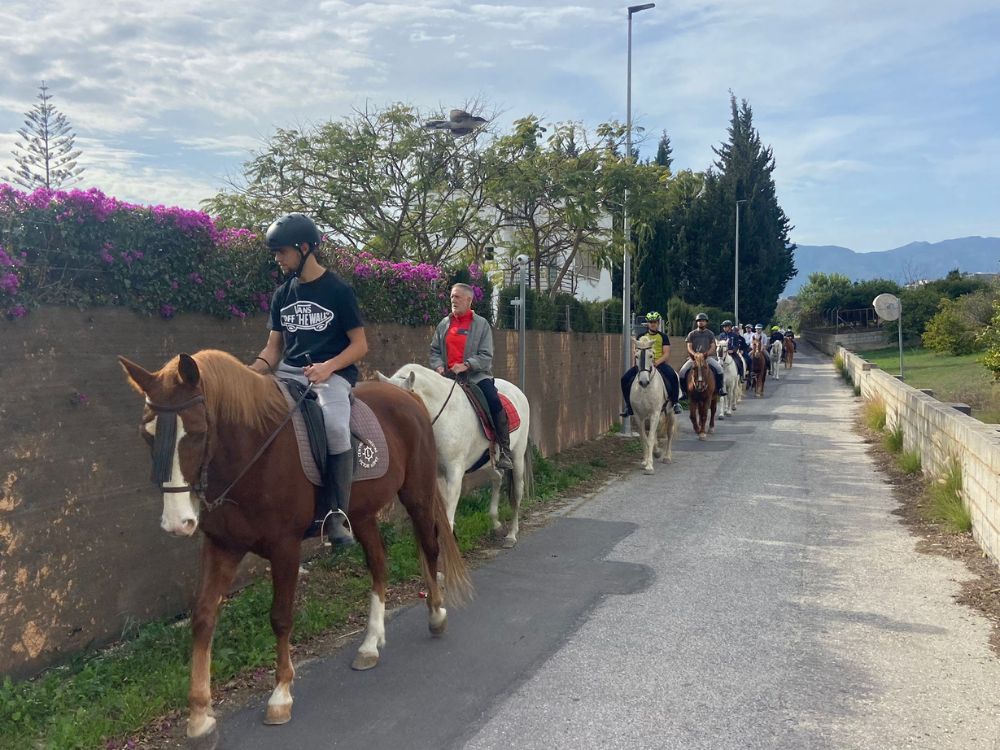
{"x": 722, "y": 349}
{"x": 644, "y": 361}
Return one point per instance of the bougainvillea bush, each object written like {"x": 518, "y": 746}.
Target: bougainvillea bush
{"x": 84, "y": 248}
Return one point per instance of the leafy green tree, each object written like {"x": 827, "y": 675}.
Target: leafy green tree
{"x": 377, "y": 180}
{"x": 819, "y": 294}
{"x": 46, "y": 156}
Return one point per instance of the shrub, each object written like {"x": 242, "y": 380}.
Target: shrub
{"x": 874, "y": 414}
{"x": 909, "y": 462}
{"x": 893, "y": 440}
{"x": 945, "y": 494}
{"x": 956, "y": 326}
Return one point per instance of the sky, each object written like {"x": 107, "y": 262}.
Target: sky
{"x": 882, "y": 114}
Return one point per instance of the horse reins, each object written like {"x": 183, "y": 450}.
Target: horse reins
{"x": 441, "y": 410}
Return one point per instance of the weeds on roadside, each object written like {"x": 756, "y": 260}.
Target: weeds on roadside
{"x": 893, "y": 440}
{"x": 909, "y": 462}
{"x": 945, "y": 493}
{"x": 874, "y": 414}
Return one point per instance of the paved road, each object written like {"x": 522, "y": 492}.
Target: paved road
{"x": 708, "y": 606}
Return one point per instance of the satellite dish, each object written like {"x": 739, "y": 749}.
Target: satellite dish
{"x": 887, "y": 306}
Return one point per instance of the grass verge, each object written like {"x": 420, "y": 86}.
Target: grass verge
{"x": 874, "y": 414}
{"x": 893, "y": 440}
{"x": 945, "y": 494}
{"x": 102, "y": 698}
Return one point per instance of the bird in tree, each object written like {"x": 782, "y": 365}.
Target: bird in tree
{"x": 459, "y": 122}
{"x": 46, "y": 156}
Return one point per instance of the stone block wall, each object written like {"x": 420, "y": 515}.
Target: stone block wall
{"x": 81, "y": 552}
{"x": 941, "y": 433}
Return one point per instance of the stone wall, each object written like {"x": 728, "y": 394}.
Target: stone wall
{"x": 855, "y": 341}
{"x": 81, "y": 552}
{"x": 941, "y": 433}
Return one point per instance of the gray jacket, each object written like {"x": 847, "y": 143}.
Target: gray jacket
{"x": 478, "y": 348}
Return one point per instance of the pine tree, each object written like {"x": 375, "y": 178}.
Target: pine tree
{"x": 46, "y": 158}
{"x": 664, "y": 153}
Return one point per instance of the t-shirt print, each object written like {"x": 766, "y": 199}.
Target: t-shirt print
{"x": 305, "y": 316}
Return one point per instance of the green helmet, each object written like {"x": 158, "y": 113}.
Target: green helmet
{"x": 653, "y": 316}
{"x": 775, "y": 328}
{"x": 700, "y": 316}
{"x": 291, "y": 230}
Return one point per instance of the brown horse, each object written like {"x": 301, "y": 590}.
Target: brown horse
{"x": 789, "y": 352}
{"x": 702, "y": 396}
{"x": 758, "y": 369}
{"x": 207, "y": 416}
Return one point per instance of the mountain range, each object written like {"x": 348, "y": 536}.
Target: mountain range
{"x": 912, "y": 262}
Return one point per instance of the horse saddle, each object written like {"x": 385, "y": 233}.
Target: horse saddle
{"x": 371, "y": 451}
{"x": 482, "y": 409}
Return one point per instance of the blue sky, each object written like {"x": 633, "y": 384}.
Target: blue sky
{"x": 883, "y": 115}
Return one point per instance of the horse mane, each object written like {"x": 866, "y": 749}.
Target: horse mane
{"x": 236, "y": 394}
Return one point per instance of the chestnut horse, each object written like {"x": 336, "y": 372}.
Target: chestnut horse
{"x": 208, "y": 419}
{"x": 758, "y": 369}
{"x": 789, "y": 352}
{"x": 702, "y": 396}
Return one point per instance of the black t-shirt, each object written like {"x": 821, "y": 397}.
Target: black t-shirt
{"x": 777, "y": 336}
{"x": 314, "y": 319}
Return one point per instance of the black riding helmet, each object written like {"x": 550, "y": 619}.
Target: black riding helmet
{"x": 700, "y": 316}
{"x": 292, "y": 230}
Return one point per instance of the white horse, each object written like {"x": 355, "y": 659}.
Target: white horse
{"x": 774, "y": 350}
{"x": 648, "y": 397}
{"x": 730, "y": 378}
{"x": 461, "y": 445}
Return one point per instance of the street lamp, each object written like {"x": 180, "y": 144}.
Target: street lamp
{"x": 736, "y": 283}
{"x": 627, "y": 263}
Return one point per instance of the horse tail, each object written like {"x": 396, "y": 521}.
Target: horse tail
{"x": 456, "y": 575}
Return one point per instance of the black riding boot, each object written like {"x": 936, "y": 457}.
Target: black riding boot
{"x": 503, "y": 440}
{"x": 719, "y": 387}
{"x": 337, "y": 493}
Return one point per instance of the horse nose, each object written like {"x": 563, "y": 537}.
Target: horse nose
{"x": 185, "y": 526}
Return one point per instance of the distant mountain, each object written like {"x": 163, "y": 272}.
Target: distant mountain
{"x": 918, "y": 260}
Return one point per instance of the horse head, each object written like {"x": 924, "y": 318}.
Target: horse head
{"x": 722, "y": 350}
{"x": 644, "y": 360}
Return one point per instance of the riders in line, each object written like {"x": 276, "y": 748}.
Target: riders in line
{"x": 702, "y": 341}
{"x": 462, "y": 346}
{"x": 661, "y": 353}
{"x": 737, "y": 345}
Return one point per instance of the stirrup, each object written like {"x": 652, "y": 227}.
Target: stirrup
{"x": 503, "y": 460}
{"x": 340, "y": 534}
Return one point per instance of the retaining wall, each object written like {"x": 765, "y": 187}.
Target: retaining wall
{"x": 81, "y": 552}
{"x": 855, "y": 341}
{"x": 941, "y": 433}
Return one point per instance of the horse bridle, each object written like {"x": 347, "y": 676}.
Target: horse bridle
{"x": 165, "y": 439}
{"x": 643, "y": 353}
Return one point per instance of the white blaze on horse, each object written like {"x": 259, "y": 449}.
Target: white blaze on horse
{"x": 462, "y": 446}
{"x": 774, "y": 350}
{"x": 653, "y": 415}
{"x": 730, "y": 379}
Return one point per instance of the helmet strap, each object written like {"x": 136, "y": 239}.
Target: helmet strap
{"x": 302, "y": 263}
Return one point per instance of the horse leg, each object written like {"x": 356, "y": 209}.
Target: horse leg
{"x": 515, "y": 495}
{"x": 496, "y": 479}
{"x": 284, "y": 578}
{"x": 649, "y": 440}
{"x": 218, "y": 569}
{"x": 366, "y": 532}
{"x": 714, "y": 407}
{"x": 450, "y": 486}
{"x": 669, "y": 427}
{"x": 421, "y": 510}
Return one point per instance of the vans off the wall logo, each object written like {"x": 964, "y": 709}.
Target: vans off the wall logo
{"x": 305, "y": 316}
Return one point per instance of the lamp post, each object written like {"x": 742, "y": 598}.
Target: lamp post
{"x": 736, "y": 273}
{"x": 627, "y": 261}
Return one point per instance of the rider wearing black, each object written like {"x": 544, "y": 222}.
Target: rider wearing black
{"x": 661, "y": 352}
{"x": 736, "y": 343}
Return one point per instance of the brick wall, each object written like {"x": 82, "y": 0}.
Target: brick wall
{"x": 81, "y": 551}
{"x": 941, "y": 433}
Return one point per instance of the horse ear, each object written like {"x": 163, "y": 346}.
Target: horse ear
{"x": 410, "y": 380}
{"x": 138, "y": 377}
{"x": 188, "y": 370}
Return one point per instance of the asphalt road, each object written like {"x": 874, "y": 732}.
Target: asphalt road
{"x": 756, "y": 593}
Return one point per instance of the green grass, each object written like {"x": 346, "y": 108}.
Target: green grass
{"x": 873, "y": 413}
{"x": 951, "y": 378}
{"x": 909, "y": 462}
{"x": 104, "y": 695}
{"x": 945, "y": 494}
{"x": 893, "y": 440}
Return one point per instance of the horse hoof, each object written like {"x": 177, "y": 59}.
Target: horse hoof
{"x": 438, "y": 628}
{"x": 702, "y": 436}
{"x": 279, "y": 714}
{"x": 711, "y": 430}
{"x": 647, "y": 470}
{"x": 203, "y": 734}
{"x": 208, "y": 741}
{"x": 364, "y": 661}
{"x": 509, "y": 542}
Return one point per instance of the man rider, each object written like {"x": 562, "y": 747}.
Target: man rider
{"x": 661, "y": 353}
{"x": 701, "y": 341}
{"x": 463, "y": 344}
{"x": 736, "y": 343}
{"x": 761, "y": 338}
{"x": 317, "y": 336}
